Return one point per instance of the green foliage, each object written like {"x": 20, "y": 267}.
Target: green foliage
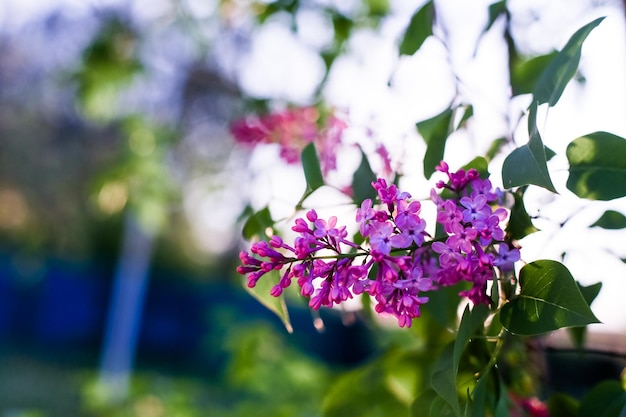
{"x": 527, "y": 164}
{"x": 562, "y": 68}
{"x": 435, "y": 132}
{"x": 495, "y": 10}
{"x": 311, "y": 166}
{"x": 590, "y": 292}
{"x": 562, "y": 405}
{"x": 549, "y": 300}
{"x": 611, "y": 219}
{"x": 607, "y": 399}
{"x": 312, "y": 172}
{"x": 444, "y": 378}
{"x": 362, "y": 181}
{"x": 277, "y": 305}
{"x": 480, "y": 164}
{"x": 109, "y": 64}
{"x": 597, "y": 166}
{"x": 377, "y": 8}
{"x": 270, "y": 9}
{"x": 520, "y": 224}
{"x": 525, "y": 73}
{"x": 257, "y": 224}
{"x": 420, "y": 27}
{"x": 382, "y": 387}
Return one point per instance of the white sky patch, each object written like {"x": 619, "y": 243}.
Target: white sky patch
{"x": 280, "y": 66}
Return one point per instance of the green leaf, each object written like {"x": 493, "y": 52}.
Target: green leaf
{"x": 435, "y": 132}
{"x": 365, "y": 391}
{"x": 471, "y": 321}
{"x": 429, "y": 404}
{"x": 611, "y": 219}
{"x": 562, "y": 68}
{"x": 362, "y": 182}
{"x": 377, "y": 8}
{"x": 468, "y": 112}
{"x": 257, "y": 224}
{"x": 444, "y": 377}
{"x": 311, "y": 166}
{"x": 525, "y": 73}
{"x": 443, "y": 306}
{"x": 496, "y": 10}
{"x": 549, "y": 153}
{"x": 420, "y": 27}
{"x": 480, "y": 164}
{"x": 607, "y": 399}
{"x": 423, "y": 402}
{"x": 590, "y": 292}
{"x": 562, "y": 405}
{"x": 343, "y": 27}
{"x": 502, "y": 405}
{"x": 597, "y": 166}
{"x": 527, "y": 164}
{"x": 520, "y": 223}
{"x": 312, "y": 172}
{"x": 476, "y": 405}
{"x": 276, "y": 305}
{"x": 549, "y": 300}
{"x": 495, "y": 147}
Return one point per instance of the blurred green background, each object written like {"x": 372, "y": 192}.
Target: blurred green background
{"x": 116, "y": 167}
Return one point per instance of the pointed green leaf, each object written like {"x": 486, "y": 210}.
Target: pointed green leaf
{"x": 611, "y": 219}
{"x": 525, "y": 73}
{"x": 423, "y": 402}
{"x": 502, "y": 405}
{"x": 527, "y": 164}
{"x": 590, "y": 292}
{"x": 496, "y": 10}
{"x": 312, "y": 172}
{"x": 562, "y": 68}
{"x": 549, "y": 300}
{"x": 420, "y": 27}
{"x": 520, "y": 223}
{"x": 377, "y": 8}
{"x": 365, "y": 391}
{"x": 444, "y": 377}
{"x": 495, "y": 147}
{"x": 343, "y": 26}
{"x": 435, "y": 132}
{"x": 468, "y": 112}
{"x": 362, "y": 182}
{"x": 471, "y": 321}
{"x": 562, "y": 405}
{"x": 311, "y": 166}
{"x": 276, "y": 305}
{"x": 257, "y": 224}
{"x": 478, "y": 402}
{"x": 597, "y": 166}
{"x": 607, "y": 399}
{"x": 480, "y": 164}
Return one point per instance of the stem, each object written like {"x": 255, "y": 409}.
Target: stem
{"x": 494, "y": 355}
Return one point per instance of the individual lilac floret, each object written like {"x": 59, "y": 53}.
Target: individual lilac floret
{"x": 506, "y": 257}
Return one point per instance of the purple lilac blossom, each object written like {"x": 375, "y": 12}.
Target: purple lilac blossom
{"x": 409, "y": 262}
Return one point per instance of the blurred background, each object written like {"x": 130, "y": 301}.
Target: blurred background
{"x": 121, "y": 187}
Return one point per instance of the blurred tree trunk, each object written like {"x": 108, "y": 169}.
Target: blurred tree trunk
{"x": 125, "y": 309}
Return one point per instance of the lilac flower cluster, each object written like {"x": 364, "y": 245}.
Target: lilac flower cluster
{"x": 398, "y": 260}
